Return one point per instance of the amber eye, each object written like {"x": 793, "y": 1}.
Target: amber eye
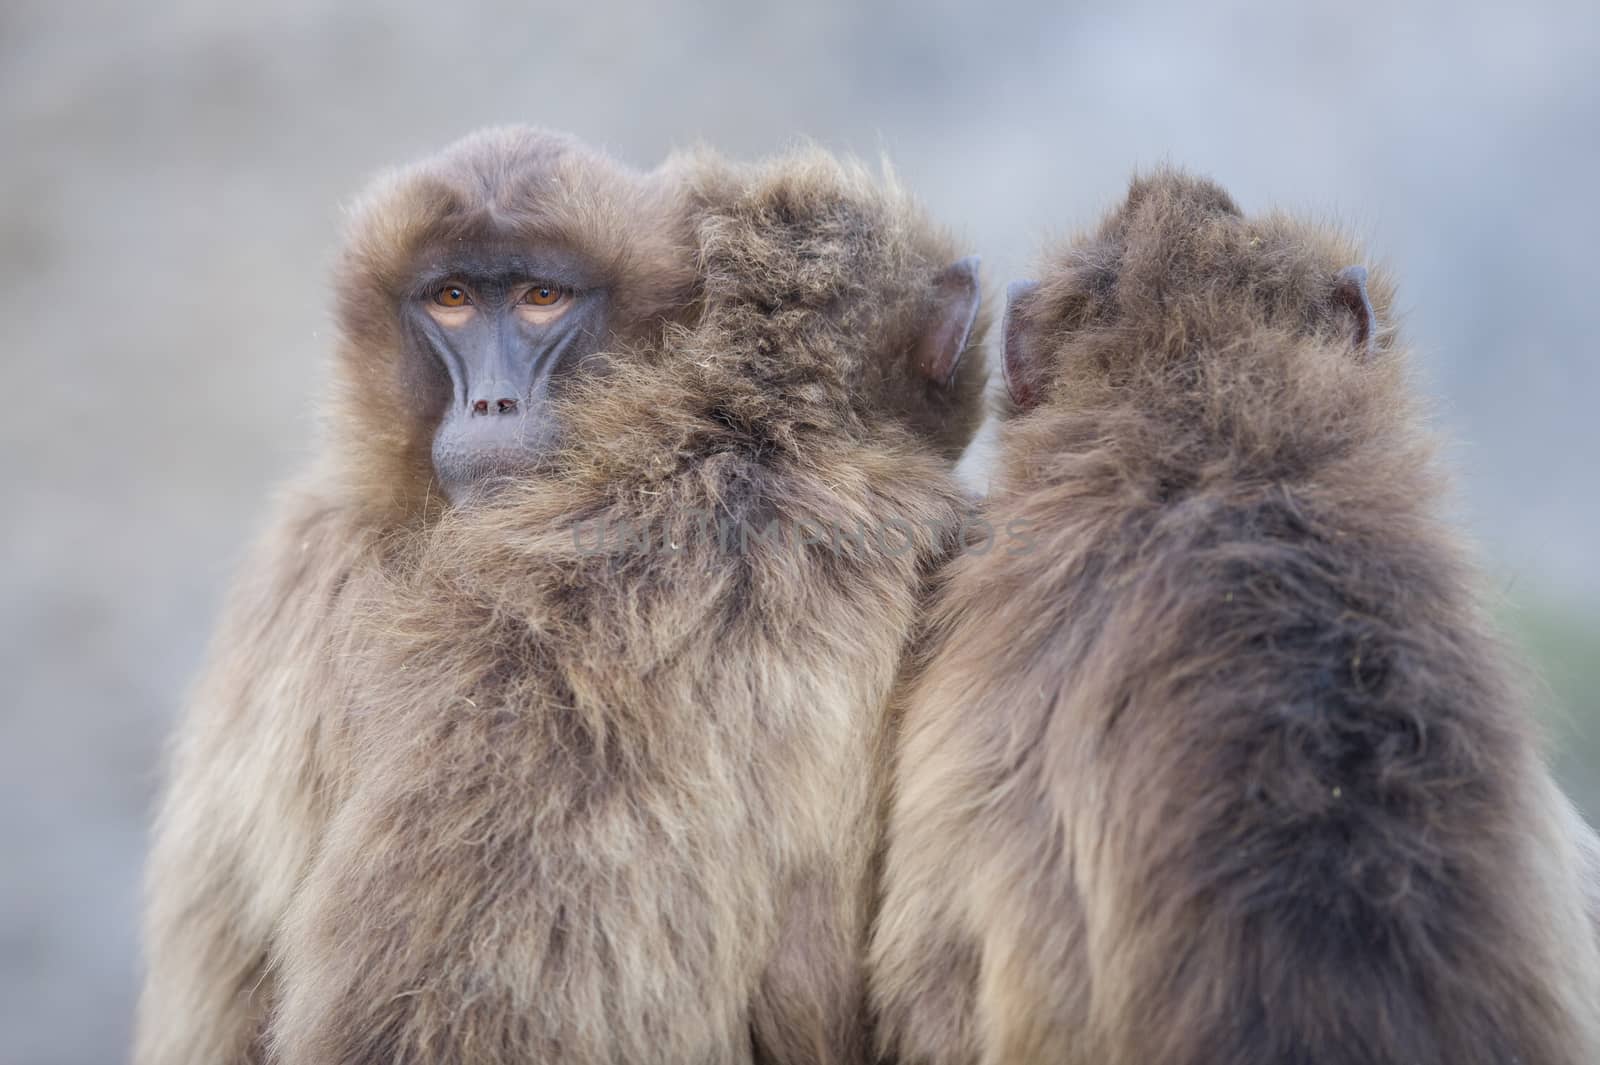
{"x": 543, "y": 295}
{"x": 451, "y": 296}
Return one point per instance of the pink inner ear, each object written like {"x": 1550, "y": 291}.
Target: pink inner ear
{"x": 1018, "y": 361}
{"x": 1350, "y": 290}
{"x": 956, "y": 296}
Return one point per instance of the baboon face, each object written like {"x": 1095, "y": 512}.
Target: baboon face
{"x": 500, "y": 327}
{"x": 1179, "y": 268}
{"x": 478, "y": 285}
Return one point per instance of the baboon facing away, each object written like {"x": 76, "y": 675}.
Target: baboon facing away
{"x": 577, "y": 762}
{"x": 1227, "y": 766}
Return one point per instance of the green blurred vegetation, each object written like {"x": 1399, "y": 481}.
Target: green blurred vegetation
{"x": 1562, "y": 648}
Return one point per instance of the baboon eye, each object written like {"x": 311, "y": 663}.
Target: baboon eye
{"x": 451, "y": 295}
{"x": 544, "y": 295}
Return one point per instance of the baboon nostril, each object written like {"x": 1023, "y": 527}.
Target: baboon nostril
{"x": 507, "y": 405}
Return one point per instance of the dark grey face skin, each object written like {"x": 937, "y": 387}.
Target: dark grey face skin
{"x": 504, "y": 356}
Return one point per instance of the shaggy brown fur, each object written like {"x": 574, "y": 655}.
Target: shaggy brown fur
{"x": 257, "y": 763}
{"x": 1227, "y": 767}
{"x": 466, "y": 787}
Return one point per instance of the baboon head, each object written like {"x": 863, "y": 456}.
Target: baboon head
{"x": 475, "y": 286}
{"x": 1178, "y": 272}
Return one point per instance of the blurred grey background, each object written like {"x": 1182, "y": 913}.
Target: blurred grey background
{"x": 170, "y": 182}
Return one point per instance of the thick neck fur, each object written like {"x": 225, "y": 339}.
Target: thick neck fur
{"x": 774, "y": 403}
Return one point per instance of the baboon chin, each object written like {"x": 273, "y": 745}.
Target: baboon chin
{"x": 459, "y": 785}
{"x": 1227, "y": 766}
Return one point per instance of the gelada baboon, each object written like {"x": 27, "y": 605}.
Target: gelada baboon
{"x": 1226, "y": 766}
{"x": 445, "y": 292}
{"x": 579, "y": 765}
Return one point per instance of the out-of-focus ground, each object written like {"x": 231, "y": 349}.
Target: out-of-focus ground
{"x": 170, "y": 182}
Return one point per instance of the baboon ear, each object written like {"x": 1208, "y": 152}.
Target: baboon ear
{"x": 1350, "y": 293}
{"x": 1021, "y": 359}
{"x": 956, "y": 295}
